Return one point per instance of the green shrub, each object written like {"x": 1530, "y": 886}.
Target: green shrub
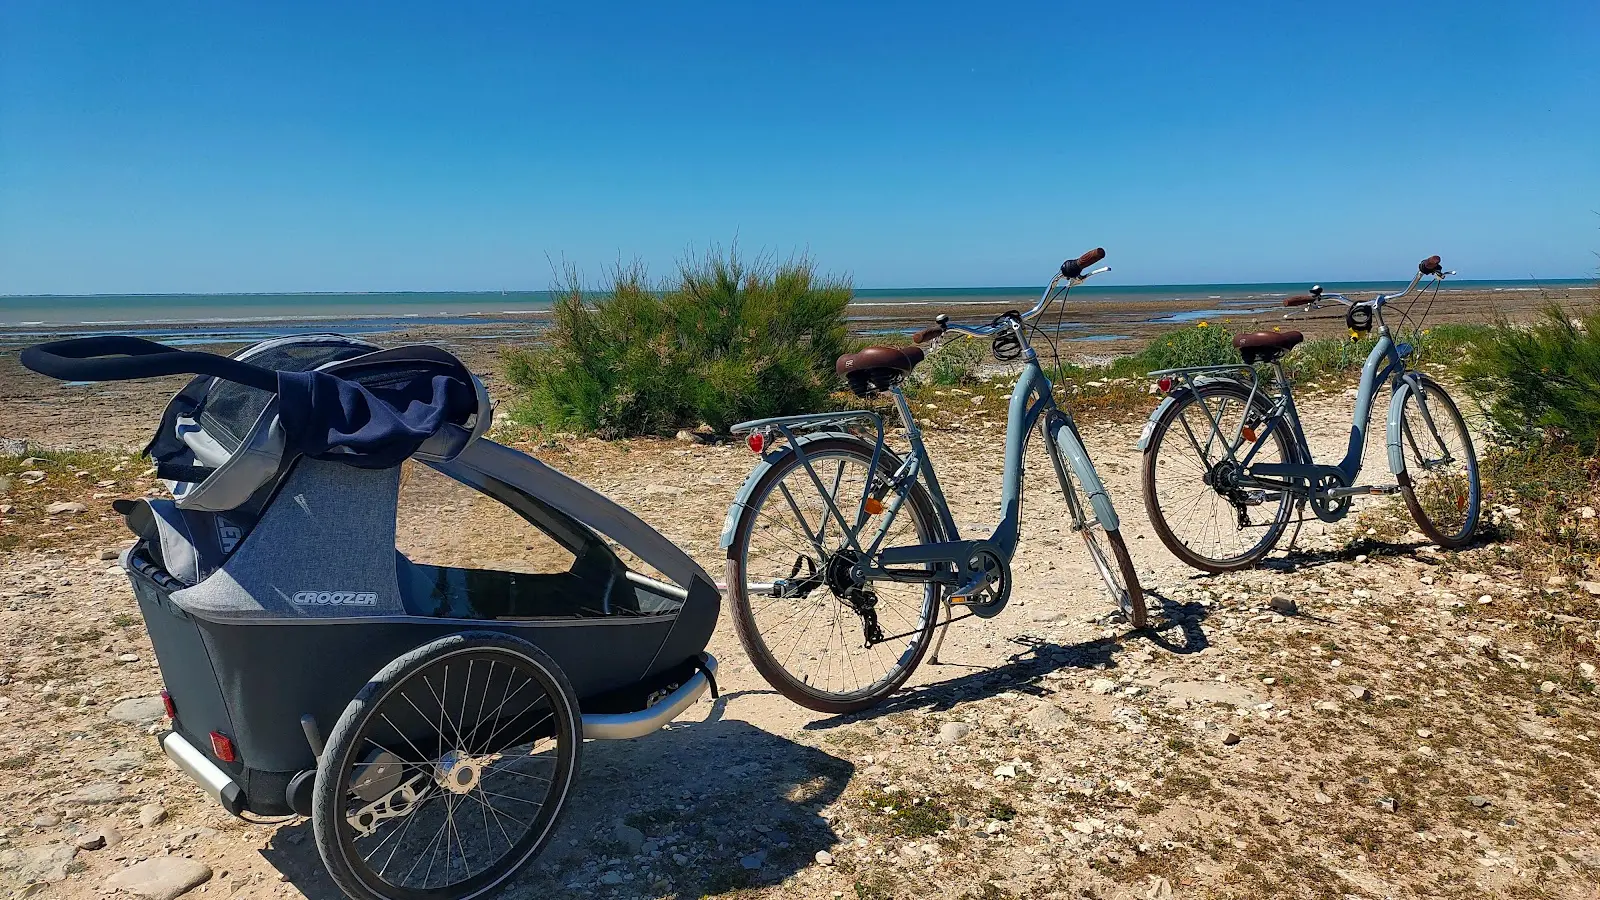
{"x": 724, "y": 341}
{"x": 1200, "y": 344}
{"x": 1540, "y": 382}
{"x": 957, "y": 362}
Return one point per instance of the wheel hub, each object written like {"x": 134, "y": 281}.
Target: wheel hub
{"x": 459, "y": 773}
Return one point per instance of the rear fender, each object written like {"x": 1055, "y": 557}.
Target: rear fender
{"x": 1170, "y": 400}
{"x": 781, "y": 456}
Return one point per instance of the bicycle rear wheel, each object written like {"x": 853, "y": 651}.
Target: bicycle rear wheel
{"x": 1190, "y": 487}
{"x": 1440, "y": 481}
{"x": 814, "y": 633}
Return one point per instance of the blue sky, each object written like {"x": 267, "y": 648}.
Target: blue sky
{"x": 178, "y": 146}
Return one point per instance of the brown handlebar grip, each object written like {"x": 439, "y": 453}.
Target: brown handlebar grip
{"x": 927, "y": 334}
{"x": 1072, "y": 268}
{"x": 1299, "y": 300}
{"x": 1431, "y": 266}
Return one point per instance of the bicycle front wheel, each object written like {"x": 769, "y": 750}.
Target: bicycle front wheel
{"x": 1107, "y": 550}
{"x": 1191, "y": 479}
{"x": 1440, "y": 479}
{"x": 817, "y": 633}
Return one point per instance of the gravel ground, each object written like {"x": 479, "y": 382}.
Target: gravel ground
{"x": 1365, "y": 716}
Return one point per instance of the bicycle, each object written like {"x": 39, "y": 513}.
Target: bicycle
{"x": 837, "y": 537}
{"x": 1254, "y": 463}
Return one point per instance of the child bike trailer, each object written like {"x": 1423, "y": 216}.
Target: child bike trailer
{"x": 428, "y": 718}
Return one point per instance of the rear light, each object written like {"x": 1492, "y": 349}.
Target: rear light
{"x": 1164, "y": 385}
{"x": 757, "y": 441}
{"x": 222, "y": 747}
{"x": 168, "y": 705}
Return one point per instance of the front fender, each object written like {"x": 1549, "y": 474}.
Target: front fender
{"x": 769, "y": 460}
{"x": 1396, "y": 437}
{"x": 1071, "y": 447}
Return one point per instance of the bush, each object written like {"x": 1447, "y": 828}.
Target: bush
{"x": 1541, "y": 381}
{"x": 957, "y": 362}
{"x": 1201, "y": 344}
{"x": 725, "y": 341}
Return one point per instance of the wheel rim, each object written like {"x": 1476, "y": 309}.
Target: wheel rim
{"x": 792, "y": 592}
{"x": 1184, "y": 483}
{"x": 1099, "y": 554}
{"x": 456, "y": 775}
{"x": 1440, "y": 465}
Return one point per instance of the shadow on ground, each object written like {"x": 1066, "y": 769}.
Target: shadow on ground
{"x": 737, "y": 805}
{"x": 1177, "y": 629}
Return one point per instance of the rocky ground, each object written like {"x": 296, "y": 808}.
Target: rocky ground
{"x": 1365, "y": 716}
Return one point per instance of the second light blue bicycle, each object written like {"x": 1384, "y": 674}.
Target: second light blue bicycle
{"x": 1226, "y": 461}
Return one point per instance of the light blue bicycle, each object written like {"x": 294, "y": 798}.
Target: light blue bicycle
{"x": 1226, "y": 461}
{"x": 842, "y": 554}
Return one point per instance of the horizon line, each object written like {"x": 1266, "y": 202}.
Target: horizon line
{"x": 1019, "y": 288}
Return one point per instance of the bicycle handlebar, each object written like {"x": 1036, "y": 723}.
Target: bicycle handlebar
{"x": 1430, "y": 266}
{"x": 1072, "y": 270}
{"x": 119, "y": 358}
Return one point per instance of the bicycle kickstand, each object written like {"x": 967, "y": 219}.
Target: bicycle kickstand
{"x": 938, "y": 642}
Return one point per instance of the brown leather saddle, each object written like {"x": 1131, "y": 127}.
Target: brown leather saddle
{"x": 1266, "y": 346}
{"x": 875, "y": 369}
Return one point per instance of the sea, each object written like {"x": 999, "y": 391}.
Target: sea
{"x": 217, "y": 318}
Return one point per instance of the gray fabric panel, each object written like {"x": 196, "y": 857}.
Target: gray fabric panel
{"x": 582, "y": 503}
{"x": 323, "y": 548}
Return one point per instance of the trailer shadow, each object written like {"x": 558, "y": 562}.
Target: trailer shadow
{"x": 718, "y": 805}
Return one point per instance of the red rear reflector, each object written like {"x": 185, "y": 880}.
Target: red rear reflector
{"x": 168, "y": 705}
{"x": 757, "y": 441}
{"x": 874, "y": 506}
{"x": 222, "y": 747}
{"x": 1164, "y": 385}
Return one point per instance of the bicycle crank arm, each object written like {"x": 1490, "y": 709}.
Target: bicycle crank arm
{"x": 1376, "y": 490}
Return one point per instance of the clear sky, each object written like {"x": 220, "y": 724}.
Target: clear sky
{"x": 177, "y": 146}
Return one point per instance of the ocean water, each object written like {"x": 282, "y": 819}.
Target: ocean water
{"x": 248, "y": 317}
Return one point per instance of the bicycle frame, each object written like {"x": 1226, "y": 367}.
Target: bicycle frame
{"x": 1385, "y": 364}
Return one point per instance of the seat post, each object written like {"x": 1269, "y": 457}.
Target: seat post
{"x": 904, "y": 409}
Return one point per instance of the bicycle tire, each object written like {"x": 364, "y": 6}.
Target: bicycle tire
{"x": 743, "y": 615}
{"x": 1152, "y": 504}
{"x": 1133, "y": 605}
{"x": 1408, "y": 487}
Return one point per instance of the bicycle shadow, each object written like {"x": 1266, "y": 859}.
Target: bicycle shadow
{"x": 1178, "y": 631}
{"x": 738, "y": 804}
{"x": 1373, "y": 548}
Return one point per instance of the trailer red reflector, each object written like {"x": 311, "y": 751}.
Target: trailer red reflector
{"x": 168, "y": 705}
{"x": 222, "y": 747}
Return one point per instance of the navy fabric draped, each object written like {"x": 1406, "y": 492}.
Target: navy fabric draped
{"x": 327, "y": 417}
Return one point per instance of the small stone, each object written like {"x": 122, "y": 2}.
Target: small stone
{"x": 1323, "y": 798}
{"x": 1360, "y": 692}
{"x": 680, "y": 859}
{"x": 45, "y": 864}
{"x": 1548, "y": 687}
{"x": 1593, "y": 587}
{"x": 1005, "y": 770}
{"x": 1388, "y": 804}
{"x": 48, "y": 820}
{"x": 754, "y": 861}
{"x": 1425, "y": 750}
{"x": 1480, "y": 802}
{"x": 139, "y": 711}
{"x": 1327, "y": 706}
{"x": 1587, "y": 669}
{"x": 32, "y": 476}
{"x": 96, "y": 794}
{"x": 632, "y": 839}
{"x": 1229, "y": 738}
{"x": 1102, "y": 686}
{"x": 110, "y": 553}
{"x": 994, "y": 827}
{"x": 1424, "y": 733}
{"x": 93, "y": 840}
{"x": 129, "y": 658}
{"x": 1284, "y": 606}
{"x": 116, "y": 763}
{"x": 161, "y": 877}
{"x": 951, "y": 732}
{"x": 824, "y": 858}
{"x": 1048, "y": 717}
{"x": 152, "y": 814}
{"x": 611, "y": 878}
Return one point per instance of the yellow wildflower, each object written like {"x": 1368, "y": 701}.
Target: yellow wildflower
{"x": 1203, "y": 324}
